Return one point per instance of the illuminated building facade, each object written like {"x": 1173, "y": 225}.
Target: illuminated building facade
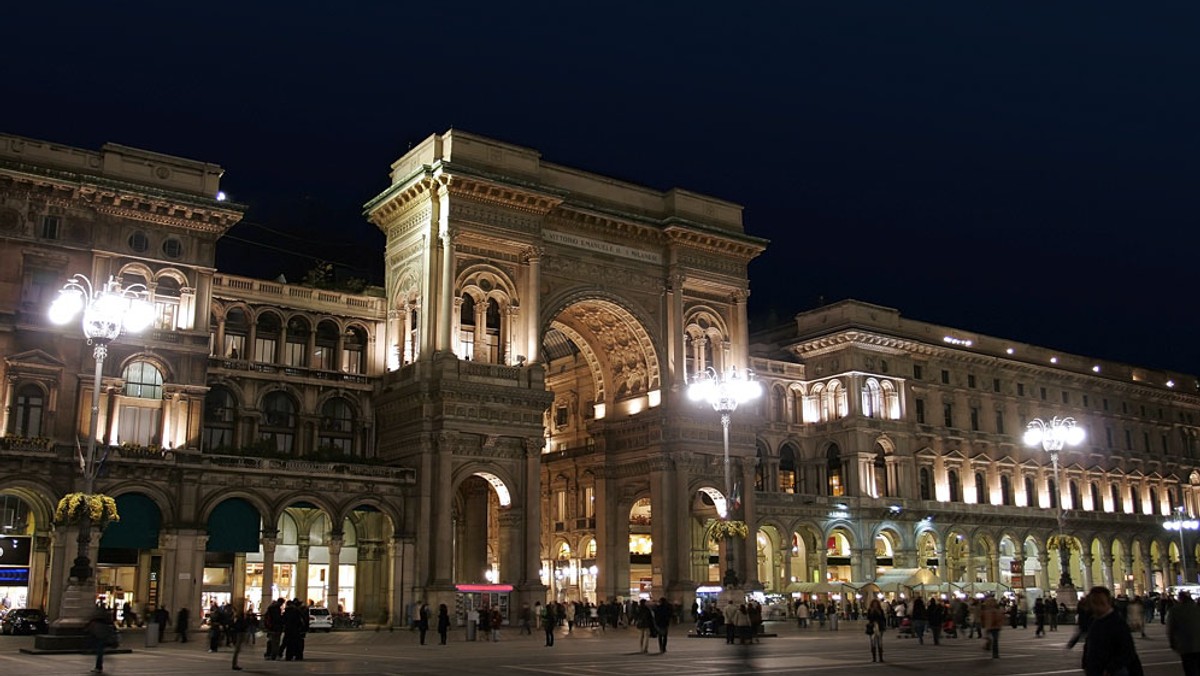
{"x": 510, "y": 409}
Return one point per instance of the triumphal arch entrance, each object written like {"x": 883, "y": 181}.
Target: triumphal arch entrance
{"x": 542, "y": 323}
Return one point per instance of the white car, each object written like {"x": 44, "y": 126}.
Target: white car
{"x": 320, "y": 619}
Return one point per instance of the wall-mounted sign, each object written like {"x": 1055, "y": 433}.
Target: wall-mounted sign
{"x": 14, "y": 551}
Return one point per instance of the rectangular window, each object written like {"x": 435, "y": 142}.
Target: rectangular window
{"x": 970, "y": 380}
{"x": 589, "y": 502}
{"x": 264, "y": 350}
{"x": 235, "y": 346}
{"x": 1020, "y": 389}
{"x": 560, "y": 416}
{"x": 1106, "y": 403}
{"x": 948, "y": 414}
{"x": 352, "y": 360}
{"x": 321, "y": 359}
{"x": 916, "y": 371}
{"x": 999, "y": 422}
{"x": 995, "y": 384}
{"x": 1043, "y": 393}
{"x": 1109, "y": 436}
{"x": 974, "y": 419}
{"x": 165, "y": 310}
{"x": 1124, "y": 407}
{"x": 1066, "y": 397}
{"x": 1165, "y": 447}
{"x": 1085, "y": 401}
{"x": 293, "y": 354}
{"x": 920, "y": 411}
{"x": 139, "y": 425}
{"x": 1146, "y": 441}
{"x": 51, "y": 227}
{"x": 945, "y": 377}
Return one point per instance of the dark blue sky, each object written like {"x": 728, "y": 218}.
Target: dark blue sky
{"x": 1027, "y": 170}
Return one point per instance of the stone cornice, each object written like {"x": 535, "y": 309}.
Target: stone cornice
{"x": 126, "y": 200}
{"x": 743, "y": 247}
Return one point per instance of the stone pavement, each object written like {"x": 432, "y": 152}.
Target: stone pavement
{"x": 590, "y": 652}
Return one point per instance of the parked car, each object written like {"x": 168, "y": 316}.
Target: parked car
{"x": 24, "y": 621}
{"x": 319, "y": 619}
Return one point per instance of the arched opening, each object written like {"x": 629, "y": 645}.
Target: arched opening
{"x": 278, "y": 427}
{"x": 124, "y": 554}
{"x": 477, "y": 529}
{"x": 787, "y": 468}
{"x": 234, "y": 527}
{"x": 837, "y": 556}
{"x": 833, "y": 466}
{"x": 220, "y": 415}
{"x": 17, "y": 528}
{"x": 641, "y": 547}
{"x": 955, "y": 485}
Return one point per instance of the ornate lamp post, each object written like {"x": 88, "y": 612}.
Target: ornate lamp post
{"x": 1181, "y": 524}
{"x": 724, "y": 392}
{"x": 1052, "y": 436}
{"x": 107, "y": 312}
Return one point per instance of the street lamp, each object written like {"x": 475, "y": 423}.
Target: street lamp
{"x": 1052, "y": 436}
{"x": 724, "y": 392}
{"x": 1181, "y": 524}
{"x": 107, "y": 312}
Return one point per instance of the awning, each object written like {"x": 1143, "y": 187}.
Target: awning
{"x": 233, "y": 526}
{"x": 899, "y": 579}
{"x": 815, "y": 587}
{"x": 138, "y": 527}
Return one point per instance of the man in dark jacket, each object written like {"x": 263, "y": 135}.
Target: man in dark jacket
{"x": 936, "y": 614}
{"x": 662, "y": 622}
{"x": 1108, "y": 649}
{"x": 1183, "y": 631}
{"x": 273, "y": 623}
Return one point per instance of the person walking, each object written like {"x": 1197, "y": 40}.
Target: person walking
{"x": 1052, "y": 613}
{"x": 497, "y": 620}
{"x": 237, "y": 627}
{"x": 525, "y": 617}
{"x": 273, "y": 623}
{"x": 1039, "y": 617}
{"x": 1108, "y": 649}
{"x": 423, "y": 621}
{"x": 443, "y": 623}
{"x": 730, "y": 614}
{"x": 920, "y": 618}
{"x": 1183, "y": 633}
{"x": 935, "y": 612}
{"x": 644, "y": 621}
{"x": 100, "y": 630}
{"x": 663, "y": 614}
{"x": 181, "y": 624}
{"x": 485, "y": 623}
{"x": 549, "y": 619}
{"x": 1135, "y": 615}
{"x": 876, "y": 621}
{"x": 991, "y": 616}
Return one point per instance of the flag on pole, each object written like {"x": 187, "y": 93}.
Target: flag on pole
{"x": 736, "y": 498}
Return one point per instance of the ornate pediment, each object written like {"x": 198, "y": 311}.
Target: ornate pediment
{"x": 33, "y": 361}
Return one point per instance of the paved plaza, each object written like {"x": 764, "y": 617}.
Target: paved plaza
{"x": 589, "y": 652}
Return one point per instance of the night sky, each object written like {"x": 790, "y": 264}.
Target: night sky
{"x": 1027, "y": 170}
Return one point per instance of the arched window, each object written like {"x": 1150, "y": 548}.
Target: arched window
{"x": 337, "y": 426}
{"x": 30, "y": 404}
{"x": 266, "y": 338}
{"x": 955, "y": 486}
{"x": 466, "y": 327}
{"x": 1135, "y": 495}
{"x": 981, "y": 496}
{"x": 353, "y": 345}
{"x": 891, "y": 401}
{"x": 220, "y": 413}
{"x": 778, "y": 404}
{"x": 883, "y": 489}
{"x": 833, "y": 464}
{"x": 237, "y": 329}
{"x": 1097, "y": 503}
{"x": 166, "y": 304}
{"x": 1052, "y": 489}
{"x": 1073, "y": 487}
{"x": 787, "y": 469}
{"x": 323, "y": 356}
{"x": 1006, "y": 495}
{"x": 837, "y": 405}
{"x": 925, "y": 479}
{"x": 296, "y": 348}
{"x": 1154, "y": 508}
{"x": 760, "y": 468}
{"x": 1117, "y": 503}
{"x": 872, "y": 399}
{"x": 140, "y": 415}
{"x": 1031, "y": 496}
{"x": 279, "y": 422}
{"x": 143, "y": 380}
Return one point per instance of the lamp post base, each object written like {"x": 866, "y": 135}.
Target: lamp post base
{"x": 68, "y": 632}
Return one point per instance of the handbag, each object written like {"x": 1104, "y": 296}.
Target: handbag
{"x": 870, "y": 628}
